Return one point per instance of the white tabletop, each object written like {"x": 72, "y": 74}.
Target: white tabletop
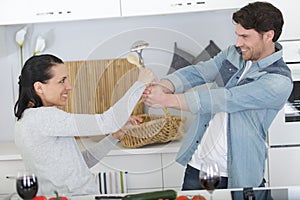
{"x": 293, "y": 193}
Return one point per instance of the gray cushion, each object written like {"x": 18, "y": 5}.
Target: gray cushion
{"x": 209, "y": 52}
{"x": 182, "y": 58}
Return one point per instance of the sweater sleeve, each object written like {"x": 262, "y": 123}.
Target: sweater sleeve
{"x": 94, "y": 154}
{"x": 56, "y": 122}
{"x": 115, "y": 118}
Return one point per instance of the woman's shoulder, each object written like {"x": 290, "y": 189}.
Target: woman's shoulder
{"x": 42, "y": 112}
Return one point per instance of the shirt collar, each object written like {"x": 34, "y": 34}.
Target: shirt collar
{"x": 267, "y": 61}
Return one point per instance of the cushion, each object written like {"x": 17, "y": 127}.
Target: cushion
{"x": 182, "y": 58}
{"x": 209, "y": 52}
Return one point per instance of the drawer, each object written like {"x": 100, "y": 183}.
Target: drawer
{"x": 9, "y": 168}
{"x": 143, "y": 171}
{"x": 173, "y": 172}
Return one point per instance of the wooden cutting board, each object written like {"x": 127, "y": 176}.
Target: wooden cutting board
{"x": 98, "y": 84}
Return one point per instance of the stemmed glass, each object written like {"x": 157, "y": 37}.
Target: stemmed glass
{"x": 27, "y": 184}
{"x": 209, "y": 177}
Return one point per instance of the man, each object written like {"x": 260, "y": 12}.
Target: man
{"x": 250, "y": 84}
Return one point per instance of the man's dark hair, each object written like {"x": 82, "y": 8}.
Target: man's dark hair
{"x": 260, "y": 16}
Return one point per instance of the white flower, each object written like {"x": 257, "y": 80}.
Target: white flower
{"x": 40, "y": 45}
{"x": 20, "y": 36}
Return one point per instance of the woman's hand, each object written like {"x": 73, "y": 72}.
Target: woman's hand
{"x": 146, "y": 76}
{"x": 133, "y": 120}
{"x": 154, "y": 96}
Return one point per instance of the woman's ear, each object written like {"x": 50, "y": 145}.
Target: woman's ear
{"x": 38, "y": 87}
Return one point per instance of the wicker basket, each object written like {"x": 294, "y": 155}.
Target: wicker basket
{"x": 154, "y": 129}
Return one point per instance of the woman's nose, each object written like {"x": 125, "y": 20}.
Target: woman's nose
{"x": 68, "y": 85}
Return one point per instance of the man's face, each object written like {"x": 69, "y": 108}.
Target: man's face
{"x": 254, "y": 45}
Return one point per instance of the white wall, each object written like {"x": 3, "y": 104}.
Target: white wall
{"x": 110, "y": 38}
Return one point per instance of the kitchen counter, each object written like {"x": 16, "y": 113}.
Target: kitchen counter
{"x": 151, "y": 167}
{"x": 9, "y": 151}
{"x": 277, "y": 193}
{"x": 171, "y": 147}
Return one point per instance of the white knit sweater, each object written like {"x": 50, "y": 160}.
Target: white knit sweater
{"x": 45, "y": 137}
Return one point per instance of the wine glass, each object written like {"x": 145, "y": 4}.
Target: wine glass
{"x": 27, "y": 184}
{"x": 209, "y": 177}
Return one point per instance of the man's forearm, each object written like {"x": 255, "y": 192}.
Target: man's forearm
{"x": 168, "y": 87}
{"x": 177, "y": 101}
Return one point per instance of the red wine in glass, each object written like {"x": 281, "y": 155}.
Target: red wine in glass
{"x": 211, "y": 183}
{"x": 210, "y": 176}
{"x": 27, "y": 186}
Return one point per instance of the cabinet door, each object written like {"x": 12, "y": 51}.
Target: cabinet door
{"x": 173, "y": 172}
{"x": 284, "y": 165}
{"x": 154, "y": 7}
{"x": 143, "y": 171}
{"x": 9, "y": 168}
{"x": 33, "y": 11}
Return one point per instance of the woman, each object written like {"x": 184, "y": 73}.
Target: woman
{"x": 45, "y": 134}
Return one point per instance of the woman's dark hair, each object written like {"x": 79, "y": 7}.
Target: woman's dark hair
{"x": 36, "y": 68}
{"x": 260, "y": 16}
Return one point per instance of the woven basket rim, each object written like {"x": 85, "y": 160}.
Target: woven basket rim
{"x": 171, "y": 128}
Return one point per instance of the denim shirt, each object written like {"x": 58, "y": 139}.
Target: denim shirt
{"x": 251, "y": 104}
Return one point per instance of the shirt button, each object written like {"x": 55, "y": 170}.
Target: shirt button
{"x": 197, "y": 141}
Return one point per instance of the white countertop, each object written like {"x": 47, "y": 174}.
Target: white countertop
{"x": 290, "y": 193}
{"x": 9, "y": 151}
{"x": 171, "y": 147}
{"x": 293, "y": 193}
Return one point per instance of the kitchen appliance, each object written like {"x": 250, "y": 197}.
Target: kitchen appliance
{"x": 284, "y": 133}
{"x": 285, "y": 129}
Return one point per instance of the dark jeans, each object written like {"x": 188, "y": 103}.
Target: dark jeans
{"x": 191, "y": 180}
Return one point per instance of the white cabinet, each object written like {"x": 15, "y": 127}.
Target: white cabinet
{"x": 9, "y": 168}
{"x": 36, "y": 11}
{"x": 284, "y": 165}
{"x": 143, "y": 171}
{"x": 155, "y": 7}
{"x": 33, "y": 11}
{"x": 10, "y": 164}
{"x": 172, "y": 171}
{"x": 149, "y": 168}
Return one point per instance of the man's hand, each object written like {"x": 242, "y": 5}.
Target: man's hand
{"x": 158, "y": 95}
{"x": 154, "y": 96}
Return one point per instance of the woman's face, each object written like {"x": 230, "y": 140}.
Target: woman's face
{"x": 55, "y": 91}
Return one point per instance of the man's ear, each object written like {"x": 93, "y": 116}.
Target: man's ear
{"x": 270, "y": 34}
{"x": 38, "y": 87}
